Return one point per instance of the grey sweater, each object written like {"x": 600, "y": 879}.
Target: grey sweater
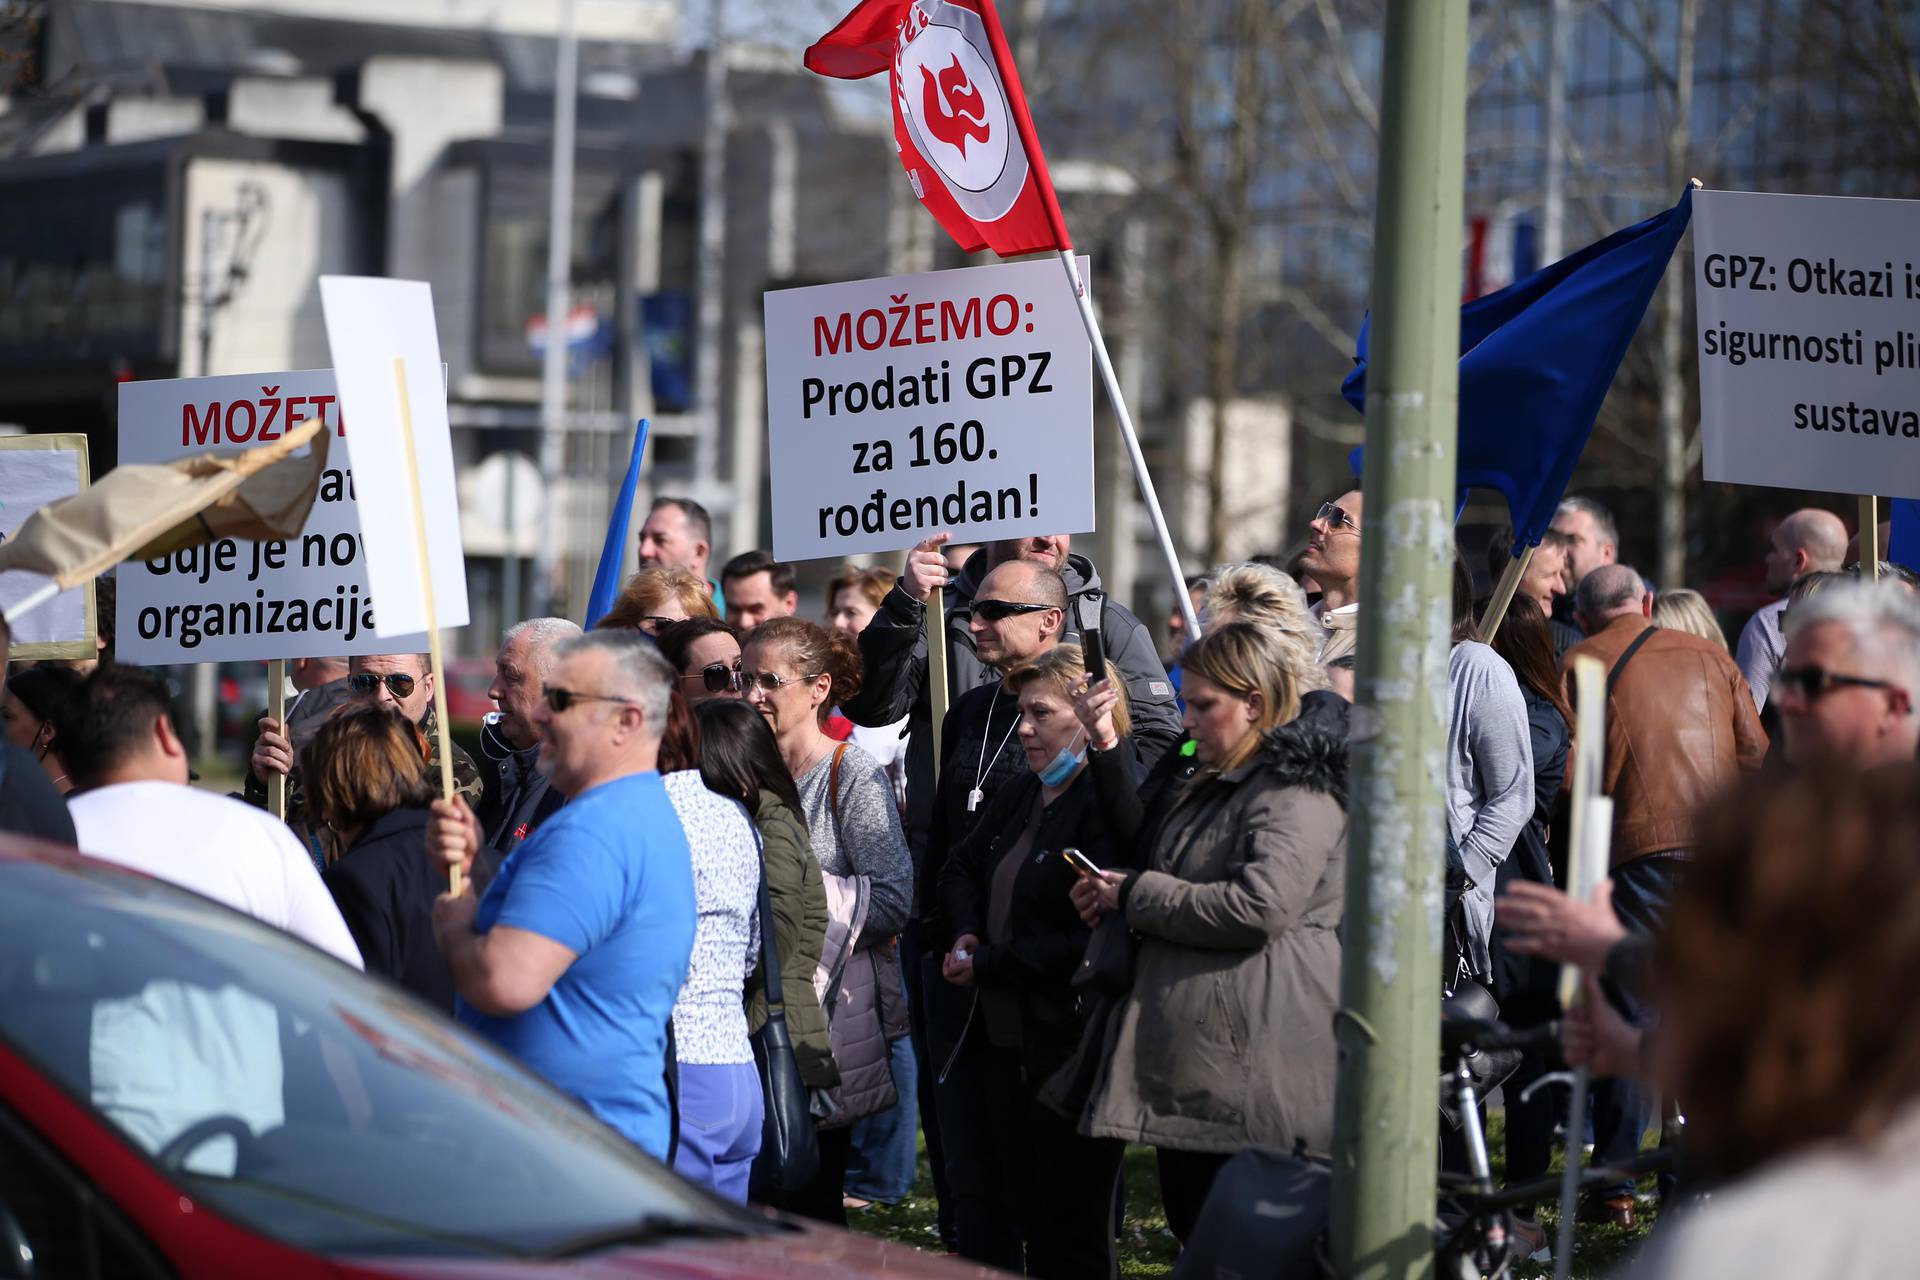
{"x": 1489, "y": 777}
{"x": 874, "y": 845}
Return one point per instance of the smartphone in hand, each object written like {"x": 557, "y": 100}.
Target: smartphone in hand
{"x": 1082, "y": 864}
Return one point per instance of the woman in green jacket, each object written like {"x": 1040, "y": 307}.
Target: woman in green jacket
{"x": 738, "y": 758}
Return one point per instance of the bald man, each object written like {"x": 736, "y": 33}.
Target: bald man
{"x": 1808, "y": 540}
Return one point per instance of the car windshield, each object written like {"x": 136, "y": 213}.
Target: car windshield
{"x": 298, "y": 1097}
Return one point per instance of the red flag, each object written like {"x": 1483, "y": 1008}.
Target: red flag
{"x": 960, "y": 120}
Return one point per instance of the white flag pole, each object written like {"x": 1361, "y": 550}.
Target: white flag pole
{"x": 1102, "y": 359}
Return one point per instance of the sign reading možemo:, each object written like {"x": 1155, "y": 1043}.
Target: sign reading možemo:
{"x": 233, "y": 600}
{"x": 899, "y": 407}
{"x": 1809, "y": 312}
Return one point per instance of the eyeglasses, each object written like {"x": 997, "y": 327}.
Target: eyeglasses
{"x": 999, "y": 610}
{"x": 398, "y": 683}
{"x": 768, "y": 682}
{"x": 1335, "y": 518}
{"x": 718, "y": 677}
{"x": 1814, "y": 683}
{"x": 655, "y": 622}
{"x": 560, "y": 700}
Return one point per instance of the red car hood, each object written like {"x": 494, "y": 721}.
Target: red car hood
{"x": 812, "y": 1253}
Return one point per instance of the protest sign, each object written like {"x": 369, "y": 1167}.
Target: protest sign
{"x": 898, "y": 407}
{"x": 34, "y": 471}
{"x": 234, "y": 600}
{"x": 386, "y": 355}
{"x": 1809, "y": 311}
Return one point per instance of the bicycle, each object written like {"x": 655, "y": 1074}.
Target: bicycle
{"x": 1476, "y": 1239}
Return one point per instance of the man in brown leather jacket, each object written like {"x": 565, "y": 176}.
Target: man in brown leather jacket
{"x": 1680, "y": 727}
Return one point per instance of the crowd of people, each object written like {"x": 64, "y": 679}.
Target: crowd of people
{"x": 1103, "y": 904}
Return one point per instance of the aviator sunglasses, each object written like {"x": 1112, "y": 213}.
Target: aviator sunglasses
{"x": 1336, "y": 518}
{"x": 399, "y": 684}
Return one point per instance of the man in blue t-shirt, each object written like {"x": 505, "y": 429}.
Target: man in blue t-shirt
{"x": 573, "y": 958}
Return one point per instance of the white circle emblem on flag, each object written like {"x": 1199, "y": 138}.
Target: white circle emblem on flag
{"x": 957, "y": 115}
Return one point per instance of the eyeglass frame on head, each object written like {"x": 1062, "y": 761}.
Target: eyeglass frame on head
{"x": 394, "y": 680}
{"x": 1325, "y": 515}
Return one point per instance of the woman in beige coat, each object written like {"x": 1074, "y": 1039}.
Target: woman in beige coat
{"x": 1226, "y": 1040}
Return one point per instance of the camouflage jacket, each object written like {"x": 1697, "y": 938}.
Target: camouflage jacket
{"x": 321, "y": 843}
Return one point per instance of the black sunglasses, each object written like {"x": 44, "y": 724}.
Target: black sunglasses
{"x": 997, "y": 610}
{"x": 560, "y": 700}
{"x": 398, "y": 683}
{"x": 718, "y": 677}
{"x": 1814, "y": 683}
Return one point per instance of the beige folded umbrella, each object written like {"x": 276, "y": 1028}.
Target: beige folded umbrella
{"x": 141, "y": 512}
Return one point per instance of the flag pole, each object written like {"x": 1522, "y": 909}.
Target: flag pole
{"x": 277, "y": 709}
{"x": 1870, "y": 549}
{"x": 434, "y": 663}
{"x": 32, "y": 600}
{"x": 1107, "y": 376}
{"x": 1503, "y": 591}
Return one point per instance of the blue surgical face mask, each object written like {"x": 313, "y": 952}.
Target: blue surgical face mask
{"x": 1061, "y": 767}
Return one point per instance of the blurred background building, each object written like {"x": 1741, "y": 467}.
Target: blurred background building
{"x": 175, "y": 175}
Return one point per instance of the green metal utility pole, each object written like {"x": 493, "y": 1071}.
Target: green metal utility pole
{"x": 1386, "y": 1121}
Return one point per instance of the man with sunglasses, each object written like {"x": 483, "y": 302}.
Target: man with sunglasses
{"x": 1332, "y": 559}
{"x": 517, "y": 795}
{"x": 1681, "y": 727}
{"x": 573, "y": 957}
{"x": 399, "y": 681}
{"x": 1846, "y": 687}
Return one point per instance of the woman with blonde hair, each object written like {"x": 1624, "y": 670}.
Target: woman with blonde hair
{"x": 654, "y": 598}
{"x": 1684, "y": 609}
{"x": 1267, "y": 597}
{"x": 1225, "y": 1040}
{"x": 368, "y": 790}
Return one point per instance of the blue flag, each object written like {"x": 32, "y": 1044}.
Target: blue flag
{"x": 606, "y": 580}
{"x": 1536, "y": 360}
{"x": 1903, "y": 542}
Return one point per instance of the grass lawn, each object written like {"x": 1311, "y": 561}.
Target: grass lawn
{"x": 1147, "y": 1248}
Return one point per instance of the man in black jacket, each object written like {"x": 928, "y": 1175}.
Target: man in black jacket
{"x": 517, "y": 797}
{"x": 894, "y": 650}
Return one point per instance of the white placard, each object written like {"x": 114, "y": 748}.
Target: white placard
{"x": 235, "y": 600}
{"x": 34, "y": 471}
{"x": 382, "y": 336}
{"x": 899, "y": 407}
{"x": 1809, "y": 313}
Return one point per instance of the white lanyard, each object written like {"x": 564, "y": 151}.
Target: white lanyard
{"x": 975, "y": 796}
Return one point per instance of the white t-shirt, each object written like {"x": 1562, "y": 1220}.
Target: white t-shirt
{"x": 175, "y": 1053}
{"x": 219, "y": 848}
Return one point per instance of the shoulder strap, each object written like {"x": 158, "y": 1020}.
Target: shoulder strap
{"x": 1626, "y": 656}
{"x": 833, "y": 792}
{"x": 769, "y": 948}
